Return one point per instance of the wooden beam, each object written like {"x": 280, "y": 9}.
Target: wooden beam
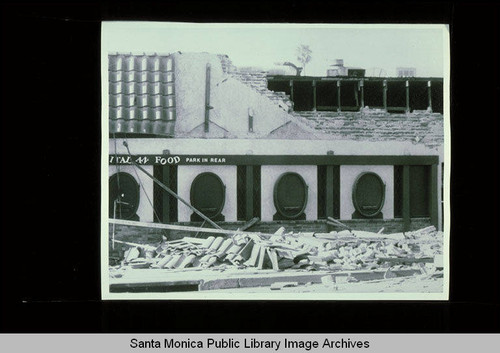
{"x": 329, "y": 191}
{"x": 249, "y": 192}
{"x": 406, "y": 198}
{"x": 284, "y": 78}
{"x": 434, "y": 196}
{"x": 291, "y": 90}
{"x": 402, "y": 260}
{"x": 124, "y": 222}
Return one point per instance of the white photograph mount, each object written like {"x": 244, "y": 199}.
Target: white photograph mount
{"x": 275, "y": 161}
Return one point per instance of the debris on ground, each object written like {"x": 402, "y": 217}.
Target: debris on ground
{"x": 336, "y": 251}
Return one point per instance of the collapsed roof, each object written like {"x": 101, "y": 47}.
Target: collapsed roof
{"x": 201, "y": 95}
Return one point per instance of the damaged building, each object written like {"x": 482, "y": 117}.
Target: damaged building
{"x": 291, "y": 151}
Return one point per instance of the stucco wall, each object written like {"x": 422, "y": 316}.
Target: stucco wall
{"x": 273, "y": 147}
{"x": 230, "y": 99}
{"x": 348, "y": 175}
{"x": 269, "y": 176}
{"x": 185, "y": 177}
{"x": 279, "y": 147}
{"x": 145, "y": 211}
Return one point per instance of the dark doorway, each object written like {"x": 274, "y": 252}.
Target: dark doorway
{"x": 419, "y": 96}
{"x": 373, "y": 94}
{"x": 396, "y": 96}
{"x": 326, "y": 95}
{"x": 437, "y": 96}
{"x": 349, "y": 98}
{"x": 279, "y": 86}
{"x": 303, "y": 95}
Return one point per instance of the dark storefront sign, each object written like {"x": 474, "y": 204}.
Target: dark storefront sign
{"x": 178, "y": 159}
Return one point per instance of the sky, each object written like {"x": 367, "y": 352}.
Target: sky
{"x": 263, "y": 45}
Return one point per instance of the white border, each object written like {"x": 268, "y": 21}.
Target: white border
{"x": 206, "y": 295}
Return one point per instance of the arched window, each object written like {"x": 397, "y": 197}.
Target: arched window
{"x": 290, "y": 196}
{"x": 123, "y": 196}
{"x": 368, "y": 195}
{"x": 208, "y": 195}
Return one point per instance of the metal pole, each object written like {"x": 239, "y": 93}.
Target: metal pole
{"x": 207, "y": 98}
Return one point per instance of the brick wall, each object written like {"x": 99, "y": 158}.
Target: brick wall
{"x": 377, "y": 125}
{"x": 258, "y": 81}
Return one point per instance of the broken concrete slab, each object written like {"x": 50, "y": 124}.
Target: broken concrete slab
{"x": 246, "y": 251}
{"x": 252, "y": 261}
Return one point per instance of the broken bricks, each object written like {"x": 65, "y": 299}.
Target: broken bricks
{"x": 335, "y": 251}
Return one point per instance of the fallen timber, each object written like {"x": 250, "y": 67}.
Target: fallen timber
{"x": 241, "y": 259}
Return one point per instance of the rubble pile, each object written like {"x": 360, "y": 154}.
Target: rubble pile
{"x": 343, "y": 250}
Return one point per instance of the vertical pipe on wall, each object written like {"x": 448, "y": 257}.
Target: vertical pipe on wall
{"x": 250, "y": 119}
{"x": 329, "y": 191}
{"x": 434, "y": 196}
{"x": 249, "y": 193}
{"x": 207, "y": 98}
{"x": 314, "y": 94}
{"x": 406, "y": 198}
{"x": 429, "y": 96}
{"x": 291, "y": 90}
